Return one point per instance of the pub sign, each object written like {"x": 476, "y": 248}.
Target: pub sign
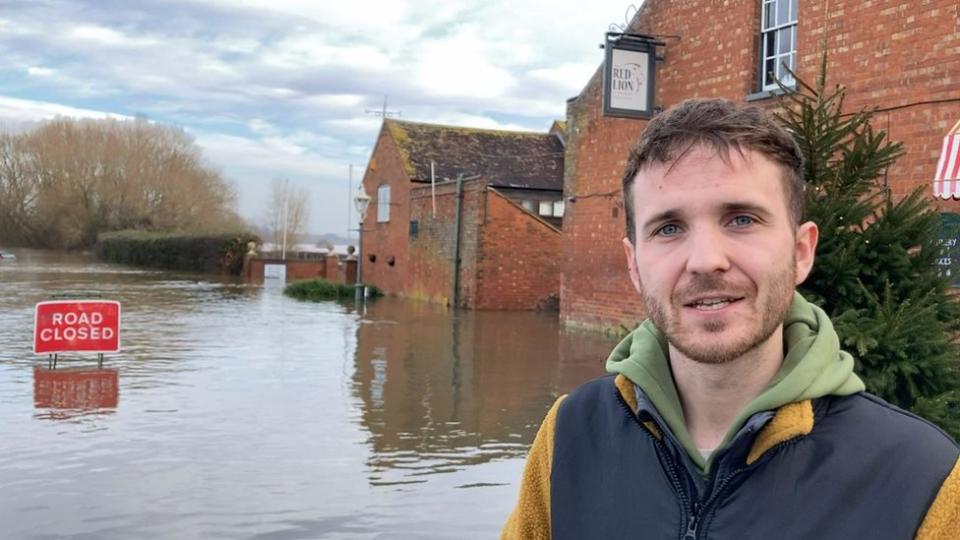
{"x": 628, "y": 75}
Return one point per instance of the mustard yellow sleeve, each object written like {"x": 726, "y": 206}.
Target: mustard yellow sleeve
{"x": 942, "y": 521}
{"x": 531, "y": 516}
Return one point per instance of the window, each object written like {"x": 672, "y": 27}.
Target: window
{"x": 551, "y": 208}
{"x": 527, "y": 205}
{"x": 778, "y": 42}
{"x": 414, "y": 229}
{"x": 558, "y": 209}
{"x": 383, "y": 204}
{"x": 546, "y": 208}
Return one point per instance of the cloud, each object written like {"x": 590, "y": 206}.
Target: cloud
{"x": 461, "y": 65}
{"x": 282, "y": 87}
{"x": 267, "y": 157}
{"x": 100, "y": 34}
{"x": 36, "y": 71}
{"x": 25, "y": 111}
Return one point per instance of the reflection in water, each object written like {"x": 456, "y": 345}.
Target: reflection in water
{"x": 74, "y": 392}
{"x": 443, "y": 390}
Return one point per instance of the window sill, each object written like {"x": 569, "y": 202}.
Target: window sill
{"x": 767, "y": 94}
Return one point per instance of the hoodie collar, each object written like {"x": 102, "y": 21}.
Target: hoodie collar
{"x": 814, "y": 366}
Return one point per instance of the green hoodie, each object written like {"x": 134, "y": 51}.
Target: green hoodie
{"x": 814, "y": 366}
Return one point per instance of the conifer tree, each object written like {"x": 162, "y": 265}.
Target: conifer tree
{"x": 876, "y": 270}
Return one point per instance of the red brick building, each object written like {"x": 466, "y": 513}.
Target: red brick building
{"x": 901, "y": 58}
{"x": 510, "y": 211}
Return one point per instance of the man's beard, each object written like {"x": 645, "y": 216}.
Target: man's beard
{"x": 772, "y": 313}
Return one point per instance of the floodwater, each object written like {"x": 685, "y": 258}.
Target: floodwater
{"x": 235, "y": 412}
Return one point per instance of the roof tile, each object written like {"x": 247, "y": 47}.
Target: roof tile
{"x": 504, "y": 158}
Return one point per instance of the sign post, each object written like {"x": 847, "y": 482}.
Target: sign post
{"x": 76, "y": 326}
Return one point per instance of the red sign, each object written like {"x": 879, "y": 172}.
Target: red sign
{"x": 76, "y": 326}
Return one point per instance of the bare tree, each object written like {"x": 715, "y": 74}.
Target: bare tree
{"x": 67, "y": 180}
{"x": 286, "y": 213}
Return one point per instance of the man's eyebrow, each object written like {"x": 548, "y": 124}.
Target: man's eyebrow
{"x": 666, "y": 215}
{"x": 745, "y": 207}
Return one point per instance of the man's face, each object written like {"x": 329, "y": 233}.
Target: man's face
{"x": 717, "y": 256}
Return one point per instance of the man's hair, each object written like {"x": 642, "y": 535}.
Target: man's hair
{"x": 721, "y": 126}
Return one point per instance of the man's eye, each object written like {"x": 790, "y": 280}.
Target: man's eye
{"x": 668, "y": 230}
{"x": 743, "y": 221}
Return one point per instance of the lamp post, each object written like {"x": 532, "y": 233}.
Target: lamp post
{"x": 361, "y": 201}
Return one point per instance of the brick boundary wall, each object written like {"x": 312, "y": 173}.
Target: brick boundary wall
{"x": 329, "y": 268}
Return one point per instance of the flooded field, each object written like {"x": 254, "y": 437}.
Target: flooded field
{"x": 235, "y": 412}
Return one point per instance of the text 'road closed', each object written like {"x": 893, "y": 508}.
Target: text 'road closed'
{"x": 77, "y": 326}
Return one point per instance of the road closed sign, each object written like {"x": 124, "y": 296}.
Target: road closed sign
{"x": 76, "y": 326}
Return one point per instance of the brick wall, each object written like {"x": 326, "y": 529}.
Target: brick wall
{"x": 518, "y": 266}
{"x": 890, "y": 54}
{"x": 508, "y": 257}
{"x": 295, "y": 269}
{"x": 431, "y": 251}
{"x": 901, "y": 57}
{"x": 389, "y": 239}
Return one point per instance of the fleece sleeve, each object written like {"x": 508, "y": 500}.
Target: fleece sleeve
{"x": 942, "y": 521}
{"x": 531, "y": 516}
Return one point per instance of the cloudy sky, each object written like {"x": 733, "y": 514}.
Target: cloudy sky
{"x": 280, "y": 88}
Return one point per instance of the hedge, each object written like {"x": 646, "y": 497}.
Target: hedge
{"x": 211, "y": 253}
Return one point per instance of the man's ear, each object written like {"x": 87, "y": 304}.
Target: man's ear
{"x": 631, "y": 254}
{"x": 806, "y": 249}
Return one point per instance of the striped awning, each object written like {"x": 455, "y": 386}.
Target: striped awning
{"x": 946, "y": 183}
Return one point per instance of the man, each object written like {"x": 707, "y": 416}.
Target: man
{"x": 733, "y": 412}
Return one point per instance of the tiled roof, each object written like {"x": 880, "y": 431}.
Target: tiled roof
{"x": 504, "y": 158}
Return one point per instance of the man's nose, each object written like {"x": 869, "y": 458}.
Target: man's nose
{"x": 708, "y": 252}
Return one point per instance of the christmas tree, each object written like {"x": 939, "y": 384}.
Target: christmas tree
{"x": 876, "y": 273}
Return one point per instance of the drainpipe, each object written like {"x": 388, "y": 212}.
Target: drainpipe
{"x": 456, "y": 244}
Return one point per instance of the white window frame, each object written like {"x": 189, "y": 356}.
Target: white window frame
{"x": 545, "y": 208}
{"x": 778, "y": 41}
{"x": 383, "y": 204}
{"x": 558, "y": 209}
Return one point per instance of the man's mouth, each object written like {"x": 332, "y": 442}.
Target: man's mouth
{"x": 712, "y": 303}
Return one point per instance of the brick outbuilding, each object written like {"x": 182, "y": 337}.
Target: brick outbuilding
{"x": 510, "y": 212}
{"x": 901, "y": 58}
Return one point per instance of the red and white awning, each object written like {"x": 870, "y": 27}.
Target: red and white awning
{"x": 946, "y": 183}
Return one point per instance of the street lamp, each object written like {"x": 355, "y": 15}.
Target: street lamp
{"x": 361, "y": 201}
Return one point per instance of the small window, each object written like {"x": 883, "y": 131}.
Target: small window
{"x": 383, "y": 204}
{"x": 527, "y": 205}
{"x": 778, "y": 42}
{"x": 558, "y": 209}
{"x": 414, "y": 229}
{"x": 546, "y": 208}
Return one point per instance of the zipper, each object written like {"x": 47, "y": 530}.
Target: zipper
{"x": 697, "y": 509}
{"x": 694, "y": 522}
{"x": 674, "y": 477}
{"x": 714, "y": 493}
